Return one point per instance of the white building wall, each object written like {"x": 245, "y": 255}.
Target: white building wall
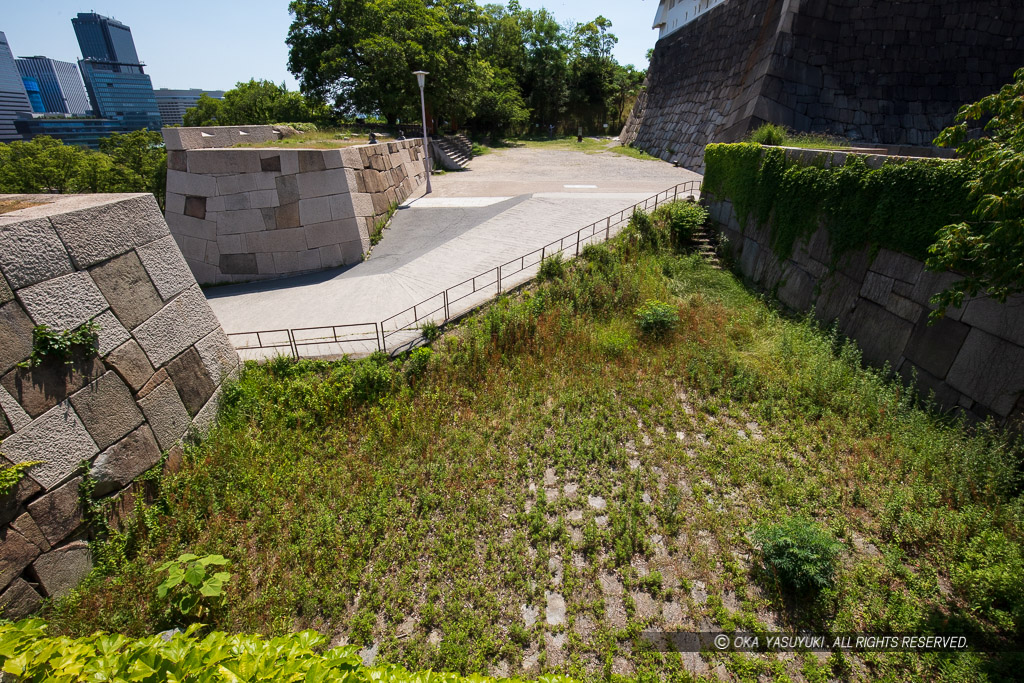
{"x": 674, "y": 14}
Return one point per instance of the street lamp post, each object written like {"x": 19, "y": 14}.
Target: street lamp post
{"x": 421, "y": 77}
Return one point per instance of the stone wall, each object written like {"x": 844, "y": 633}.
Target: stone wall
{"x": 161, "y": 359}
{"x": 890, "y": 73}
{"x": 973, "y": 359}
{"x": 255, "y": 213}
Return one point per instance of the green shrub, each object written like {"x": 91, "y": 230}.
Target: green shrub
{"x": 799, "y": 553}
{"x": 28, "y": 652}
{"x": 431, "y": 331}
{"x": 769, "y": 134}
{"x": 656, "y": 318}
{"x": 615, "y": 342}
{"x": 62, "y": 345}
{"x": 551, "y": 268}
{"x": 991, "y": 576}
{"x": 598, "y": 254}
{"x": 646, "y": 231}
{"x": 417, "y": 362}
{"x": 192, "y": 592}
{"x": 371, "y": 378}
{"x": 683, "y": 220}
{"x": 302, "y": 127}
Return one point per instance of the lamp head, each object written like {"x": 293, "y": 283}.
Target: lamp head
{"x": 421, "y": 77}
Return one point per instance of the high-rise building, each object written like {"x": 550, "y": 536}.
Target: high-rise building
{"x": 35, "y": 96}
{"x": 60, "y": 84}
{"x": 106, "y": 40}
{"x": 114, "y": 77}
{"x": 13, "y": 98}
{"x": 174, "y": 103}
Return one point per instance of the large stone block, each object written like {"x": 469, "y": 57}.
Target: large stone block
{"x": 332, "y": 232}
{"x": 876, "y": 288}
{"x": 59, "y": 513}
{"x": 311, "y": 160}
{"x": 63, "y": 303}
{"x": 58, "y": 439}
{"x": 935, "y": 347}
{"x": 797, "y": 290}
{"x": 996, "y": 385}
{"x": 11, "y": 503}
{"x": 293, "y": 239}
{"x": 287, "y": 216}
{"x": 243, "y": 221}
{"x": 205, "y": 418}
{"x": 322, "y": 183}
{"x": 178, "y": 325}
{"x": 238, "y": 264}
{"x": 62, "y": 569}
{"x": 15, "y": 335}
{"x": 191, "y": 379}
{"x": 19, "y": 600}
{"x": 166, "y": 414}
{"x": 224, "y": 161}
{"x": 111, "y": 332}
{"x": 191, "y": 184}
{"x": 166, "y": 267}
{"x": 234, "y": 184}
{"x": 40, "y": 388}
{"x": 315, "y": 210}
{"x": 97, "y": 233}
{"x": 341, "y": 206}
{"x": 31, "y": 252}
{"x": 107, "y": 409}
{"x": 27, "y": 527}
{"x": 897, "y": 266}
{"x": 880, "y": 335}
{"x": 218, "y": 355}
{"x": 15, "y": 414}
{"x": 120, "y": 464}
{"x": 126, "y": 286}
{"x": 297, "y": 261}
{"x": 1002, "y": 320}
{"x": 204, "y": 229}
{"x": 16, "y": 553}
{"x": 6, "y": 295}
{"x": 131, "y": 364}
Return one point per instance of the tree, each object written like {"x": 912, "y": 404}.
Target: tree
{"x": 360, "y": 55}
{"x": 205, "y": 113}
{"x": 256, "y": 102}
{"x": 988, "y": 250}
{"x": 41, "y": 165}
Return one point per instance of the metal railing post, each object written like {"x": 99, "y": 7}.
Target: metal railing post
{"x": 542, "y": 253}
{"x": 295, "y": 346}
{"x": 499, "y": 279}
{"x": 447, "y": 315}
{"x": 383, "y": 340}
{"x": 676, "y": 195}
{"x": 608, "y": 228}
{"x": 577, "y": 243}
{"x": 376, "y": 333}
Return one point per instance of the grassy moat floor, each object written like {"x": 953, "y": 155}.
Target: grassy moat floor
{"x": 549, "y": 483}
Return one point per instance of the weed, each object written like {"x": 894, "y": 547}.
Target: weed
{"x": 798, "y": 553}
{"x": 552, "y": 268}
{"x": 769, "y": 134}
{"x": 656, "y": 318}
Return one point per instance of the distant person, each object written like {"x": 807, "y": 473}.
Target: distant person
{"x": 373, "y": 138}
{"x": 401, "y": 135}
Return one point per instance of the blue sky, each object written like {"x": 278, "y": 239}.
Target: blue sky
{"x": 212, "y": 45}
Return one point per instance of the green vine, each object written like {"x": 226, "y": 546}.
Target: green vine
{"x": 901, "y": 206}
{"x": 11, "y": 476}
{"x": 50, "y": 344}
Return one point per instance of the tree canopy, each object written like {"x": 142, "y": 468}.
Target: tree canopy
{"x": 988, "y": 250}
{"x": 254, "y": 103}
{"x": 502, "y": 68}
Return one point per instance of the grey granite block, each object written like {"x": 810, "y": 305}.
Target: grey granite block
{"x": 62, "y": 569}
{"x": 58, "y": 439}
{"x": 65, "y": 302}
{"x": 59, "y": 513}
{"x": 107, "y": 409}
{"x": 126, "y": 286}
{"x": 166, "y": 267}
{"x": 31, "y": 252}
{"x": 166, "y": 414}
{"x": 120, "y": 464}
{"x": 131, "y": 363}
{"x": 181, "y": 323}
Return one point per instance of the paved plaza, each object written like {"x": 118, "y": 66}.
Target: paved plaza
{"x": 506, "y": 204}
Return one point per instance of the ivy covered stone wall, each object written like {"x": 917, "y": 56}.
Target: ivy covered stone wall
{"x": 109, "y": 414}
{"x": 845, "y": 236}
{"x": 891, "y": 73}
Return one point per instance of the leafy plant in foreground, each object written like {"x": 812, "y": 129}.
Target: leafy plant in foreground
{"x": 799, "y": 553}
{"x": 10, "y": 476}
{"x": 190, "y": 587}
{"x": 656, "y": 318}
{"x": 769, "y": 134}
{"x": 551, "y": 268}
{"x": 61, "y": 345}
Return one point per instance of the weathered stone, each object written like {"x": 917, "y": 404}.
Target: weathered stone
{"x": 238, "y": 264}
{"x": 876, "y": 288}
{"x": 1002, "y": 320}
{"x": 59, "y": 513}
{"x": 65, "y": 302}
{"x": 27, "y": 527}
{"x": 107, "y": 409}
{"x": 156, "y": 380}
{"x": 130, "y": 362}
{"x": 191, "y": 380}
{"x": 271, "y": 163}
{"x": 61, "y": 569}
{"x": 98, "y": 232}
{"x": 16, "y": 553}
{"x": 166, "y": 267}
{"x": 128, "y": 289}
{"x": 880, "y": 334}
{"x": 15, "y": 414}
{"x": 19, "y": 600}
{"x": 897, "y": 266}
{"x": 322, "y": 184}
{"x": 996, "y": 385}
{"x": 311, "y": 160}
{"x": 40, "y": 388}
{"x": 30, "y": 252}
{"x": 287, "y": 216}
{"x": 15, "y": 335}
{"x": 5, "y": 291}
{"x": 180, "y": 324}
{"x": 903, "y": 307}
{"x": 166, "y": 414}
{"x": 110, "y": 333}
{"x": 928, "y": 384}
{"x": 24, "y": 490}
{"x": 117, "y": 466}
{"x": 207, "y": 415}
{"x": 58, "y": 439}
{"x": 935, "y": 347}
{"x": 797, "y": 290}
{"x": 219, "y": 357}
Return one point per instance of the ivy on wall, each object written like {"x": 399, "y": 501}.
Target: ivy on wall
{"x": 901, "y": 206}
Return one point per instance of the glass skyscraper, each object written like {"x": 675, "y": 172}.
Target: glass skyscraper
{"x": 114, "y": 77}
{"x": 35, "y": 96}
{"x": 13, "y": 98}
{"x": 60, "y": 84}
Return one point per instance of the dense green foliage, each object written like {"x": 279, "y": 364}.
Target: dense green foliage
{"x": 769, "y": 134}
{"x": 254, "y": 103}
{"x": 62, "y": 346}
{"x": 427, "y": 503}
{"x": 10, "y": 476}
{"x": 684, "y": 221}
{"x": 656, "y": 318}
{"x": 900, "y": 206}
{"x": 30, "y": 653}
{"x": 126, "y": 162}
{"x": 798, "y": 553}
{"x": 989, "y": 247}
{"x": 191, "y": 587}
{"x": 501, "y": 69}
{"x": 551, "y": 268}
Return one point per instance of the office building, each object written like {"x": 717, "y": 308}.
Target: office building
{"x": 115, "y": 79}
{"x": 174, "y": 103}
{"x": 72, "y": 130}
{"x": 13, "y": 98}
{"x": 35, "y": 97}
{"x": 60, "y": 84}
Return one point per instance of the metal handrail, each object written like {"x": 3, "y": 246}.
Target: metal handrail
{"x": 382, "y": 334}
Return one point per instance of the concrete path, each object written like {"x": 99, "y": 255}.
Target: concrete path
{"x": 510, "y": 203}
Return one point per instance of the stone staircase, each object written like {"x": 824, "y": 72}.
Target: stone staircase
{"x": 453, "y": 152}
{"x": 707, "y": 246}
